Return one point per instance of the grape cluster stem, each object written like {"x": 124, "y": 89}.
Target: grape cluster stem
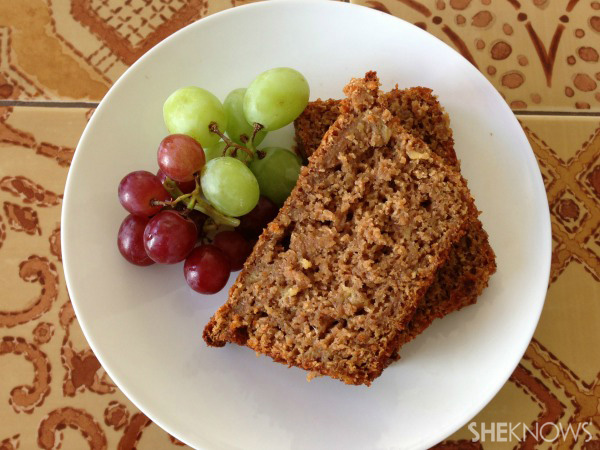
{"x": 194, "y": 200}
{"x": 249, "y": 150}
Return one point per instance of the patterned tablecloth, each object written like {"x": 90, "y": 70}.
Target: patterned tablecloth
{"x": 59, "y": 57}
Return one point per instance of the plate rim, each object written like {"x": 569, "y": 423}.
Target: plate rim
{"x": 530, "y": 157}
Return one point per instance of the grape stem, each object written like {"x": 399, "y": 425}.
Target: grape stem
{"x": 250, "y": 142}
{"x": 214, "y": 128}
{"x": 256, "y": 127}
{"x": 194, "y": 200}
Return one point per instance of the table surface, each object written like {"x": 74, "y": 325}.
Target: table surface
{"x": 57, "y": 60}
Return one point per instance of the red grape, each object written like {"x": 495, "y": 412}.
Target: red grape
{"x": 186, "y": 187}
{"x": 138, "y": 189}
{"x": 180, "y": 157}
{"x": 253, "y": 223}
{"x": 235, "y": 246}
{"x": 169, "y": 237}
{"x": 207, "y": 269}
{"x": 130, "y": 240}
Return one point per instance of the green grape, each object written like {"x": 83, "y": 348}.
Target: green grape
{"x": 276, "y": 173}
{"x": 229, "y": 186}
{"x": 236, "y": 122}
{"x": 276, "y": 97}
{"x": 190, "y": 110}
{"x": 214, "y": 151}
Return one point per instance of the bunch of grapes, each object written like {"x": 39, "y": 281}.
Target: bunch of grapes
{"x": 213, "y": 176}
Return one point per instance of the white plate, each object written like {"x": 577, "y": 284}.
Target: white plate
{"x": 145, "y": 325}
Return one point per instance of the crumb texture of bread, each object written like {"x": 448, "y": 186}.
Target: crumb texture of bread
{"x": 338, "y": 275}
{"x": 458, "y": 282}
{"x": 471, "y": 262}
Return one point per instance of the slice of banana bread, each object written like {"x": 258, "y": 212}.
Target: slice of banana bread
{"x": 338, "y": 274}
{"x": 471, "y": 262}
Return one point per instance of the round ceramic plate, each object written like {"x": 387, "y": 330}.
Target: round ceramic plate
{"x": 145, "y": 324}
